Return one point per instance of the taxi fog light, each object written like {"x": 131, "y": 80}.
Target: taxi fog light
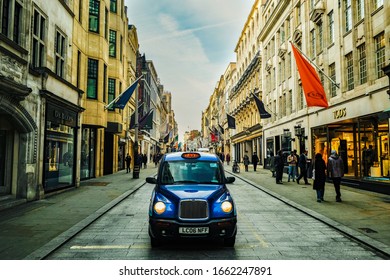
{"x": 226, "y": 206}
{"x": 159, "y": 207}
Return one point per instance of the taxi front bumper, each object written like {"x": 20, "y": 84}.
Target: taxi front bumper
{"x": 169, "y": 229}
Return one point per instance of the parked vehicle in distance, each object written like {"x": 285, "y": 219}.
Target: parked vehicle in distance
{"x": 204, "y": 150}
{"x": 190, "y": 200}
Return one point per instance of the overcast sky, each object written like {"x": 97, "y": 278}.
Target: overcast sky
{"x": 191, "y": 43}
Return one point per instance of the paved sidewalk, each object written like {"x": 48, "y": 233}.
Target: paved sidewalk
{"x": 363, "y": 214}
{"x": 27, "y": 227}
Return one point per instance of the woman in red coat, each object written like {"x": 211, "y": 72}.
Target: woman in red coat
{"x": 319, "y": 173}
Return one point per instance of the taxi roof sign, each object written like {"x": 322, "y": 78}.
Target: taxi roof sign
{"x": 190, "y": 155}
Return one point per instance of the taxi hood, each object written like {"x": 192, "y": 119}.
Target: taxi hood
{"x": 196, "y": 191}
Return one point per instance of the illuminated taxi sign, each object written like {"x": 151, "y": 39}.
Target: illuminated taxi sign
{"x": 190, "y": 155}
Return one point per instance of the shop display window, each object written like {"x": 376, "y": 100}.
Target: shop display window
{"x": 59, "y": 154}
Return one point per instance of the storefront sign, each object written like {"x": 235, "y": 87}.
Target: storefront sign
{"x": 61, "y": 116}
{"x": 341, "y": 113}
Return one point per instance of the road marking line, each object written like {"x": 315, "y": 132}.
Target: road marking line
{"x": 99, "y": 247}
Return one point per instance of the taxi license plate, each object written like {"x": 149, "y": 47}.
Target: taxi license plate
{"x": 193, "y": 230}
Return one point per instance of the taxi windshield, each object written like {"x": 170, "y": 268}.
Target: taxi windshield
{"x": 194, "y": 172}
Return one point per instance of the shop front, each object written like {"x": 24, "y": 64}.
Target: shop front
{"x": 362, "y": 143}
{"x": 60, "y": 147}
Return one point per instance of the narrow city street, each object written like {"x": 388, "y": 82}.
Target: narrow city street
{"x": 268, "y": 229}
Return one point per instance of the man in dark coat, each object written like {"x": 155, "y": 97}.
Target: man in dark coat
{"x": 255, "y": 160}
{"x": 279, "y": 166}
{"x": 128, "y": 161}
{"x": 319, "y": 173}
{"x": 302, "y": 164}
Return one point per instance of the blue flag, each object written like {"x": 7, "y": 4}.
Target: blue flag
{"x": 124, "y": 97}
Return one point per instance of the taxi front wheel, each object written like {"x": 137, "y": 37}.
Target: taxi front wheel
{"x": 154, "y": 242}
{"x": 229, "y": 242}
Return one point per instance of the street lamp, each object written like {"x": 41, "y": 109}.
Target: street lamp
{"x": 300, "y": 133}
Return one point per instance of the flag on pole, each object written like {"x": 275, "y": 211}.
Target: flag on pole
{"x": 146, "y": 121}
{"x": 260, "y": 106}
{"x": 121, "y": 101}
{"x": 132, "y": 118}
{"x": 311, "y": 83}
{"x": 231, "y": 121}
{"x": 221, "y": 129}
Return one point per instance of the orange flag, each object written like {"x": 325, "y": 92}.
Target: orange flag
{"x": 311, "y": 83}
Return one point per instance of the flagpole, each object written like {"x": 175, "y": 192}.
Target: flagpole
{"x": 137, "y": 167}
{"x": 119, "y": 96}
{"x": 315, "y": 65}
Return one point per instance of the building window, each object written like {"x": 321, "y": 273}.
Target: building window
{"x": 92, "y": 86}
{"x": 5, "y": 18}
{"x": 332, "y": 75}
{"x": 320, "y": 38}
{"x": 104, "y": 82}
{"x": 17, "y": 23}
{"x": 78, "y": 69}
{"x": 111, "y": 91}
{"x": 94, "y": 15}
{"x": 360, "y": 10}
{"x": 378, "y": 3}
{"x": 38, "y": 40}
{"x": 362, "y": 64}
{"x": 301, "y": 97}
{"x": 121, "y": 48}
{"x": 11, "y": 20}
{"x": 287, "y": 28}
{"x": 80, "y": 10}
{"x": 313, "y": 43}
{"x": 106, "y": 23}
{"x": 60, "y": 44}
{"x": 349, "y": 62}
{"x": 348, "y": 15}
{"x": 112, "y": 40}
{"x": 380, "y": 54}
{"x": 113, "y": 6}
{"x": 288, "y": 65}
{"x": 331, "y": 27}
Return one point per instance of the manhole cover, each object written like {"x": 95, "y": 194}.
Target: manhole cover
{"x": 368, "y": 230}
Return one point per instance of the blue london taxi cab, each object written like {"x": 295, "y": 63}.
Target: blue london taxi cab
{"x": 191, "y": 200}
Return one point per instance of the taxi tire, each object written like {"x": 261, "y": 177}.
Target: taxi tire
{"x": 154, "y": 242}
{"x": 229, "y": 242}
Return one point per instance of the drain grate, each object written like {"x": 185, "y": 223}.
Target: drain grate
{"x": 368, "y": 230}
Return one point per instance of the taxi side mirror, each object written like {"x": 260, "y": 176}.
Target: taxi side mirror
{"x": 230, "y": 180}
{"x": 151, "y": 180}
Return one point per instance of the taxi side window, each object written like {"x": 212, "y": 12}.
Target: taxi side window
{"x": 166, "y": 175}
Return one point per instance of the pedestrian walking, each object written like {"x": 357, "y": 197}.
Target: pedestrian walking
{"x": 336, "y": 172}
{"x": 144, "y": 159}
{"x": 292, "y": 166}
{"x": 246, "y": 162}
{"x": 128, "y": 161}
{"x": 302, "y": 164}
{"x": 255, "y": 160}
{"x": 319, "y": 176}
{"x": 279, "y": 166}
{"x": 227, "y": 158}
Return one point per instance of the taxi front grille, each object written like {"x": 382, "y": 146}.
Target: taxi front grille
{"x": 193, "y": 209}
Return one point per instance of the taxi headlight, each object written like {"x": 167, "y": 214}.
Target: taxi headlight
{"x": 226, "y": 206}
{"x": 159, "y": 207}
